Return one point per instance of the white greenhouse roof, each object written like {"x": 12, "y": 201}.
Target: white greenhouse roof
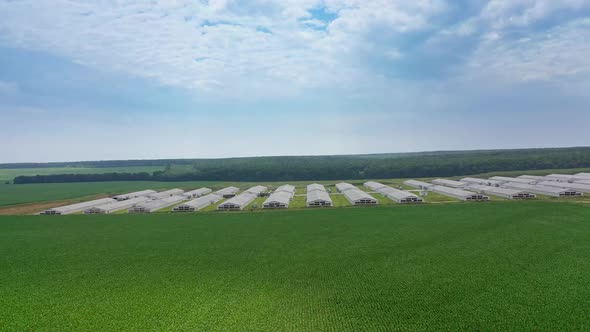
{"x": 257, "y": 190}
{"x": 315, "y": 186}
{"x": 281, "y": 197}
{"x": 418, "y": 184}
{"x": 373, "y": 185}
{"x": 286, "y": 188}
{"x": 135, "y": 194}
{"x": 79, "y": 207}
{"x": 536, "y": 188}
{"x": 201, "y": 202}
{"x": 482, "y": 181}
{"x": 576, "y": 186}
{"x": 158, "y": 204}
{"x": 197, "y": 192}
{"x": 241, "y": 200}
{"x": 356, "y": 194}
{"x": 343, "y": 186}
{"x": 453, "y": 191}
{"x": 449, "y": 183}
{"x": 509, "y": 179}
{"x": 227, "y": 191}
{"x": 318, "y": 195}
{"x": 117, "y": 206}
{"x": 167, "y": 193}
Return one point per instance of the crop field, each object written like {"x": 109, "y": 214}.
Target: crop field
{"x": 11, "y": 195}
{"x": 496, "y": 266}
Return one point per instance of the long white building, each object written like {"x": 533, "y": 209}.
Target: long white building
{"x": 449, "y": 183}
{"x": 343, "y": 186}
{"x": 418, "y": 184}
{"x": 355, "y": 196}
{"x": 78, "y": 207}
{"x": 535, "y": 178}
{"x": 278, "y": 200}
{"x": 286, "y": 188}
{"x": 512, "y": 180}
{"x": 238, "y": 202}
{"x": 167, "y": 193}
{"x": 582, "y": 176}
{"x": 560, "y": 177}
{"x": 485, "y": 182}
{"x": 258, "y": 190}
{"x": 460, "y": 194}
{"x": 116, "y": 206}
{"x": 156, "y": 204}
{"x": 543, "y": 190}
{"x": 317, "y": 196}
{"x": 396, "y": 195}
{"x": 136, "y": 194}
{"x": 581, "y": 187}
{"x": 228, "y": 192}
{"x": 198, "y": 203}
{"x": 501, "y": 192}
{"x": 242, "y": 200}
{"x": 196, "y": 193}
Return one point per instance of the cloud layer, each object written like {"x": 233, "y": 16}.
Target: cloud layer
{"x": 285, "y": 47}
{"x": 348, "y": 64}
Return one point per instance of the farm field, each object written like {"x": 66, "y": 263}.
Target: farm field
{"x": 495, "y": 266}
{"x": 47, "y": 192}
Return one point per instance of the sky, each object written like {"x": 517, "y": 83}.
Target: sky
{"x": 138, "y": 79}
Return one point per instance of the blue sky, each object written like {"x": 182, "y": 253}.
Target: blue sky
{"x": 131, "y": 79}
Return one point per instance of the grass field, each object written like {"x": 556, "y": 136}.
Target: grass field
{"x": 497, "y": 266}
{"x": 11, "y": 195}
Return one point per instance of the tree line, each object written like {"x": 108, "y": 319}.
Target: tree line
{"x": 436, "y": 164}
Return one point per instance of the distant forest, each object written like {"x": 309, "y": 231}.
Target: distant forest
{"x": 376, "y": 166}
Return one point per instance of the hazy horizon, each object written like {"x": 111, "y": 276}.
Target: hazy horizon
{"x": 214, "y": 79}
{"x": 300, "y": 155}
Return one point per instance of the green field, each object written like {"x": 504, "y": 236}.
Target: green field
{"x": 36, "y": 193}
{"x": 495, "y": 267}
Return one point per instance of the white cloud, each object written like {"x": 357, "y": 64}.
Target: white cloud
{"x": 558, "y": 53}
{"x": 275, "y": 49}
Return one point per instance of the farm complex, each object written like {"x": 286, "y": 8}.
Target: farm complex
{"x": 316, "y": 195}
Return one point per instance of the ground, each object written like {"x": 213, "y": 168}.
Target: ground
{"x": 494, "y": 266}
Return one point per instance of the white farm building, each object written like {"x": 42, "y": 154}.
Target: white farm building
{"x": 581, "y": 187}
{"x": 356, "y": 196}
{"x": 317, "y": 196}
{"x": 78, "y": 207}
{"x": 484, "y": 182}
{"x": 156, "y": 204}
{"x": 399, "y": 196}
{"x": 501, "y": 192}
{"x": 198, "y": 203}
{"x": 543, "y": 190}
{"x": 449, "y": 183}
{"x": 228, "y": 192}
{"x": 242, "y": 200}
{"x": 460, "y": 194}
{"x": 280, "y": 198}
{"x": 418, "y": 184}
{"x": 167, "y": 193}
{"x": 196, "y": 193}
{"x": 134, "y": 195}
{"x": 116, "y": 206}
{"x": 513, "y": 180}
